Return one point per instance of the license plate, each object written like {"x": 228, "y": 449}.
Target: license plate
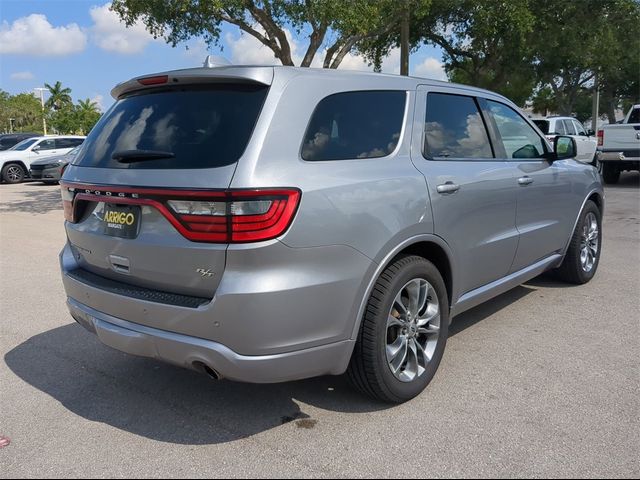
{"x": 121, "y": 220}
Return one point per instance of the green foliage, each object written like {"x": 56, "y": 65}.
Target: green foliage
{"x": 75, "y": 119}
{"x": 336, "y": 25}
{"x": 24, "y": 109}
{"x": 58, "y": 97}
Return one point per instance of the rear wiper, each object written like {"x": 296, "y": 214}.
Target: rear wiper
{"x": 132, "y": 156}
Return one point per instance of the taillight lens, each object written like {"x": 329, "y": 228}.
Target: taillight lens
{"x": 67, "y": 202}
{"x": 600, "y": 138}
{"x": 230, "y": 216}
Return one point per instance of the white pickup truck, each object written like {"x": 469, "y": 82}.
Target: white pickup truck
{"x": 619, "y": 146}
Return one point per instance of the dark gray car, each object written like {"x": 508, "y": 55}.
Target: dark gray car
{"x": 268, "y": 224}
{"x": 50, "y": 170}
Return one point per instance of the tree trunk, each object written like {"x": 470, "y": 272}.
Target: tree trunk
{"x": 404, "y": 42}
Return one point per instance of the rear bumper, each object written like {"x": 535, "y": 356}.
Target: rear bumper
{"x": 278, "y": 314}
{"x": 192, "y": 352}
{"x": 618, "y": 156}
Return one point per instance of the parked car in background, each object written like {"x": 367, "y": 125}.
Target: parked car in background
{"x": 343, "y": 219}
{"x": 8, "y": 140}
{"x": 619, "y": 146}
{"x": 585, "y": 141}
{"x": 15, "y": 162}
{"x": 50, "y": 170}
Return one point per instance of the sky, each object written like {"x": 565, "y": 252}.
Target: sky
{"x": 82, "y": 44}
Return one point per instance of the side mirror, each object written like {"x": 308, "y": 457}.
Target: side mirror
{"x": 564, "y": 147}
{"x": 36, "y": 148}
{"x": 590, "y": 133}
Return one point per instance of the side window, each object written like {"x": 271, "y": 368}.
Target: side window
{"x": 454, "y": 128}
{"x": 568, "y": 126}
{"x": 579, "y": 128}
{"x": 520, "y": 140}
{"x": 47, "y": 145}
{"x": 635, "y": 116}
{"x": 560, "y": 130}
{"x": 68, "y": 142}
{"x": 353, "y": 125}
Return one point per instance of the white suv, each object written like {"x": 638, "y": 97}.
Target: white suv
{"x": 15, "y": 162}
{"x": 569, "y": 126}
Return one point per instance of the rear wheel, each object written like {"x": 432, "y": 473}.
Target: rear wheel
{"x": 583, "y": 255}
{"x": 403, "y": 333}
{"x": 13, "y": 173}
{"x": 610, "y": 173}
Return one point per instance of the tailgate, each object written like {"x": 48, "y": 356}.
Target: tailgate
{"x": 621, "y": 137}
{"x": 145, "y": 196}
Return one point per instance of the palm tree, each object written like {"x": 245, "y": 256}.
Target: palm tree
{"x": 59, "y": 96}
{"x": 88, "y": 114}
{"x": 88, "y": 106}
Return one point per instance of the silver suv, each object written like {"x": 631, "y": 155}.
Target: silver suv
{"x": 267, "y": 224}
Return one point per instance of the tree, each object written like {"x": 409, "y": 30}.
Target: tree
{"x": 59, "y": 97}
{"x": 335, "y": 26}
{"x": 25, "y": 111}
{"x": 619, "y": 61}
{"x": 88, "y": 115}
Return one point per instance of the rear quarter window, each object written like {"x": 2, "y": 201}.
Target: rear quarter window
{"x": 355, "y": 125}
{"x": 203, "y": 127}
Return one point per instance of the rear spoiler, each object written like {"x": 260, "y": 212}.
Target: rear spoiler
{"x": 194, "y": 76}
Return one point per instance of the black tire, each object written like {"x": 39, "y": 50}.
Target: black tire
{"x": 369, "y": 370}
{"x": 572, "y": 270}
{"x": 610, "y": 173}
{"x": 13, "y": 173}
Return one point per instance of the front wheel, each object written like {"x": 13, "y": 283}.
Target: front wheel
{"x": 583, "y": 255}
{"x": 13, "y": 173}
{"x": 403, "y": 333}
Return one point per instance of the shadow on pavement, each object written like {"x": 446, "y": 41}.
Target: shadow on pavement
{"x": 37, "y": 198}
{"x": 175, "y": 405}
{"x": 163, "y": 402}
{"x": 627, "y": 180}
{"x": 484, "y": 310}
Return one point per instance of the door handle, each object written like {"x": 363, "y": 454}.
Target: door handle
{"x": 525, "y": 181}
{"x": 448, "y": 187}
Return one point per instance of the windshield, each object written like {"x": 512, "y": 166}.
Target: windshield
{"x": 543, "y": 125}
{"x": 23, "y": 145}
{"x": 198, "y": 127}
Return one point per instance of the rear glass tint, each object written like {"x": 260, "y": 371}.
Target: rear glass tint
{"x": 201, "y": 127}
{"x": 543, "y": 125}
{"x": 354, "y": 125}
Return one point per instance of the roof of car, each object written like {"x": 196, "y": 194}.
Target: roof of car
{"x": 265, "y": 75}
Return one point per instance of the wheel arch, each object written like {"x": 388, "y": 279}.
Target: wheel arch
{"x": 430, "y": 247}
{"x": 15, "y": 162}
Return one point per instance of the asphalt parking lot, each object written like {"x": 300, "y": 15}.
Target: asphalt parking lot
{"x": 543, "y": 381}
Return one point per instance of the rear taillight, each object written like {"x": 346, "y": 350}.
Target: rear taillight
{"x": 600, "y": 138}
{"x": 67, "y": 202}
{"x": 230, "y": 216}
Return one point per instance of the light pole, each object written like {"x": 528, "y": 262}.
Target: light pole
{"x": 44, "y": 121}
{"x": 11, "y": 125}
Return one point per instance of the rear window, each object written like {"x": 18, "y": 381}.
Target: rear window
{"x": 68, "y": 142}
{"x": 354, "y": 125}
{"x": 543, "y": 125}
{"x": 201, "y": 127}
